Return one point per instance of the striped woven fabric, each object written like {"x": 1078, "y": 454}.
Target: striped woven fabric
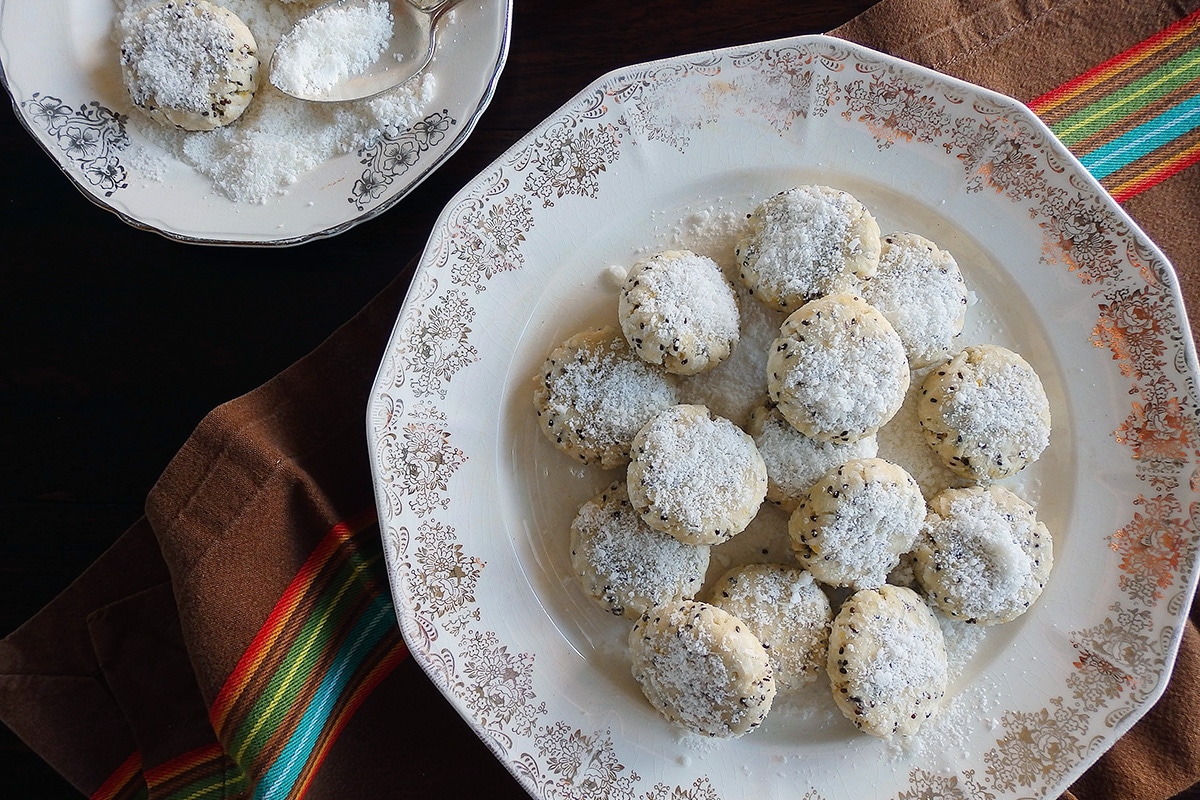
{"x": 126, "y": 782}
{"x": 205, "y": 773}
{"x": 1134, "y": 120}
{"x": 327, "y": 644}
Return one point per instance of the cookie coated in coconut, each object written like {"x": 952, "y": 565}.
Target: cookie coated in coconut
{"x": 806, "y": 242}
{"x": 795, "y": 461}
{"x": 985, "y": 412}
{"x": 838, "y": 371}
{"x": 593, "y": 395}
{"x": 702, "y": 669}
{"x": 677, "y": 309}
{"x": 920, "y": 289}
{"x": 983, "y": 555}
{"x": 189, "y": 64}
{"x": 853, "y": 525}
{"x": 627, "y": 566}
{"x": 887, "y": 661}
{"x": 787, "y": 611}
{"x": 696, "y": 476}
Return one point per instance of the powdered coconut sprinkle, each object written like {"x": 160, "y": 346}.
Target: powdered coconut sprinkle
{"x": 595, "y": 395}
{"x": 983, "y": 556}
{"x": 696, "y": 477}
{"x": 333, "y": 44}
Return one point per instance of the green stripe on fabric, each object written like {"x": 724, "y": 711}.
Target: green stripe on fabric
{"x": 1113, "y": 108}
{"x": 325, "y": 624}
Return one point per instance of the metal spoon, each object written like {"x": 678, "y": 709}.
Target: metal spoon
{"x": 408, "y": 53}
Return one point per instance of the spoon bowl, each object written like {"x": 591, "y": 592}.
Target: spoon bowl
{"x": 331, "y": 76}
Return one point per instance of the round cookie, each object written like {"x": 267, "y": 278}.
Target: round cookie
{"x": 702, "y": 669}
{"x": 887, "y": 661}
{"x": 677, "y": 309}
{"x": 795, "y": 461}
{"x": 920, "y": 289}
{"x": 983, "y": 556}
{"x": 838, "y": 371}
{"x": 189, "y": 63}
{"x": 594, "y": 395}
{"x": 985, "y": 413}
{"x": 786, "y": 610}
{"x": 854, "y": 524}
{"x": 807, "y": 242}
{"x": 697, "y": 477}
{"x": 627, "y": 566}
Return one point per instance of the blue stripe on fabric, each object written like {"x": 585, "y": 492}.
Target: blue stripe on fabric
{"x": 1145, "y": 138}
{"x": 370, "y": 628}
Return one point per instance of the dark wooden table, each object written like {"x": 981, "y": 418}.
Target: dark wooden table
{"x": 116, "y": 342}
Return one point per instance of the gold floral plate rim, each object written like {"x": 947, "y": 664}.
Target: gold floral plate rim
{"x": 450, "y": 417}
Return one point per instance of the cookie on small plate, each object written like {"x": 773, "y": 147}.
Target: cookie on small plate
{"x": 189, "y": 64}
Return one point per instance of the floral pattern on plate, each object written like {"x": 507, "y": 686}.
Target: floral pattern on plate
{"x": 515, "y": 262}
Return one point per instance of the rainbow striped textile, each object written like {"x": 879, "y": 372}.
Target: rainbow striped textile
{"x": 330, "y": 640}
{"x": 327, "y": 643}
{"x": 1134, "y": 120}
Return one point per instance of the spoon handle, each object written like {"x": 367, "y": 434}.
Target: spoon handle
{"x": 434, "y": 8}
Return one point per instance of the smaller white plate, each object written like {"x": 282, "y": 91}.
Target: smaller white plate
{"x": 60, "y": 64}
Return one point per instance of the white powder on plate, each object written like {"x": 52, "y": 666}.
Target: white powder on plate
{"x": 279, "y": 138}
{"x": 333, "y": 44}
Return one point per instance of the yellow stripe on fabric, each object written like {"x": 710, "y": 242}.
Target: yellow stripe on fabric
{"x": 276, "y": 693}
{"x": 1109, "y": 110}
{"x": 1048, "y": 102}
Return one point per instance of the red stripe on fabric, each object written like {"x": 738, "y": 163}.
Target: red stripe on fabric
{"x": 156, "y": 776}
{"x": 238, "y": 679}
{"x": 1174, "y": 167}
{"x": 369, "y": 683}
{"x": 1114, "y": 64}
{"x": 117, "y": 784}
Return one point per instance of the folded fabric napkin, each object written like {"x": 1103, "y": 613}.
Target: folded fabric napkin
{"x": 240, "y": 639}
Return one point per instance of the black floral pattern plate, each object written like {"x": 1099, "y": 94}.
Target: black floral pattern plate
{"x": 67, "y": 91}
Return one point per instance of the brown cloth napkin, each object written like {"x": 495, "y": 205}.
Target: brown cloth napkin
{"x": 115, "y": 682}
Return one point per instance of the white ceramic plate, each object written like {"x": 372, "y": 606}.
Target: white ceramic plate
{"x": 61, "y": 66}
{"x": 476, "y": 505}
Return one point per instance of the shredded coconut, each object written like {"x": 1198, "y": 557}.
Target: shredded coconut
{"x": 177, "y": 55}
{"x": 1004, "y": 406}
{"x": 698, "y": 472}
{"x": 630, "y": 566}
{"x": 920, "y": 290}
{"x": 279, "y": 138}
{"x": 838, "y": 369}
{"x": 595, "y": 395}
{"x": 977, "y": 553}
{"x": 333, "y": 44}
